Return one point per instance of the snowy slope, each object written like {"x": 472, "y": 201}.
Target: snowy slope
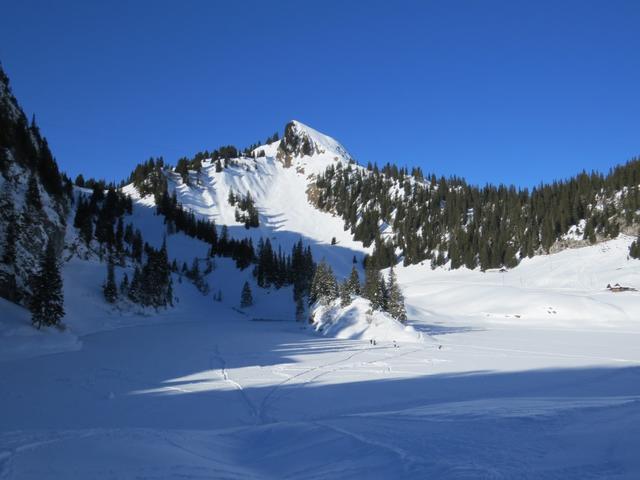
{"x": 566, "y": 289}
{"x": 280, "y": 193}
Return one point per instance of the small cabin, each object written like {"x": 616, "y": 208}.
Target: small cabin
{"x": 619, "y": 288}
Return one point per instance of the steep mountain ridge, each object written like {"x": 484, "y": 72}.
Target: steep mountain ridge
{"x": 34, "y": 198}
{"x": 393, "y": 214}
{"x": 279, "y": 177}
{"x": 301, "y": 141}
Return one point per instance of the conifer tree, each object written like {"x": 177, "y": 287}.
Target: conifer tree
{"x": 324, "y": 287}
{"x": 32, "y": 195}
{"x": 345, "y": 293}
{"x": 246, "y": 297}
{"x": 380, "y": 302}
{"x": 110, "y": 289}
{"x": 371, "y": 289}
{"x": 83, "y": 220}
{"x": 47, "y": 300}
{"x": 395, "y": 302}
{"x": 134, "y": 288}
{"x": 354, "y": 282}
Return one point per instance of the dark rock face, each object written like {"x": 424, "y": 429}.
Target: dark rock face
{"x": 295, "y": 143}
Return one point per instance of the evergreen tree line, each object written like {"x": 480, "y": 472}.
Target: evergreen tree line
{"x": 274, "y": 268}
{"x": 47, "y": 300}
{"x": 151, "y": 284}
{"x": 22, "y": 142}
{"x": 91, "y": 183}
{"x": 149, "y": 178}
{"x": 100, "y": 217}
{"x": 384, "y": 295}
{"x": 180, "y": 220}
{"x": 221, "y": 157}
{"x": 446, "y": 220}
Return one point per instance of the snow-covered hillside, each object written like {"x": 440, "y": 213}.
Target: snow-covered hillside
{"x": 562, "y": 290}
{"x": 279, "y": 187}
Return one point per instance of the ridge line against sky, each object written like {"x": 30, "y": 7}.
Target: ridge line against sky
{"x": 494, "y": 92}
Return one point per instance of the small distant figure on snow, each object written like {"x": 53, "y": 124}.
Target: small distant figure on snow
{"x": 395, "y": 345}
{"x": 439, "y": 347}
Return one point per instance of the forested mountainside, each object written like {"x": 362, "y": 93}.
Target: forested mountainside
{"x": 34, "y": 198}
{"x": 416, "y": 217}
{"x": 447, "y": 220}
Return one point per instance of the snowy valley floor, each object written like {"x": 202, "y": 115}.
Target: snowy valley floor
{"x": 232, "y": 398}
{"x": 206, "y": 392}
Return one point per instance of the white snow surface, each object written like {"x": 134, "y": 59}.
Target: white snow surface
{"x": 529, "y": 373}
{"x": 359, "y": 321}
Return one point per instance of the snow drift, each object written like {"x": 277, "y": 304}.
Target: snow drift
{"x": 359, "y": 321}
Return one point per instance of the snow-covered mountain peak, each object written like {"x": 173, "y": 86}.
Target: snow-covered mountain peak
{"x": 301, "y": 141}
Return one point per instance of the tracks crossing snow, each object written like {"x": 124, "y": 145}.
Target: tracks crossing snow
{"x": 216, "y": 357}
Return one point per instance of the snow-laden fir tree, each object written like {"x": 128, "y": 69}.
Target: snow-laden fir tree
{"x": 110, "y": 289}
{"x": 382, "y": 296}
{"x": 47, "y": 300}
{"x": 246, "y": 297}
{"x": 32, "y": 195}
{"x": 153, "y": 286}
{"x": 373, "y": 289}
{"x": 134, "y": 287}
{"x": 395, "y": 299}
{"x": 354, "y": 282}
{"x": 324, "y": 287}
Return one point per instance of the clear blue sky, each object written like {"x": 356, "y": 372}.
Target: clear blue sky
{"x": 511, "y": 91}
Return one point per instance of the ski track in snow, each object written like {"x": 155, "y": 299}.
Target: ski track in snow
{"x": 266, "y": 400}
{"x": 403, "y": 456}
{"x": 254, "y": 412}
